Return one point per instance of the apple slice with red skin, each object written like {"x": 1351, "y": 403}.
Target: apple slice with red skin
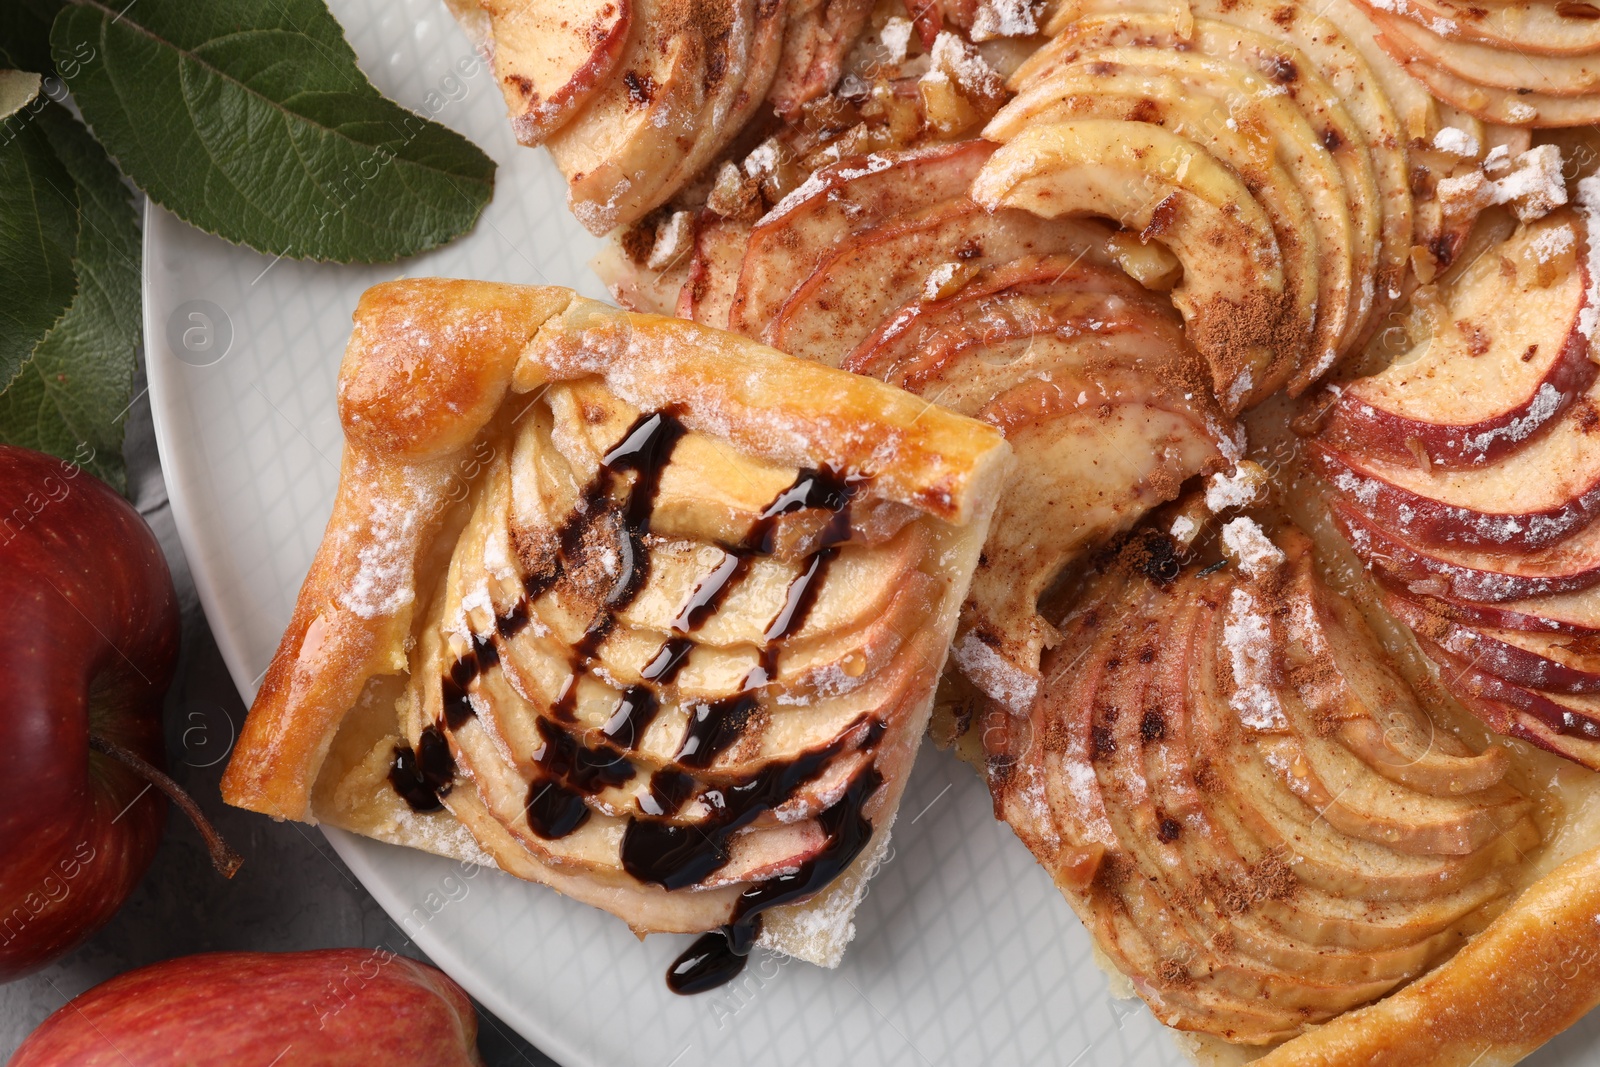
{"x": 872, "y": 273}
{"x": 817, "y": 38}
{"x": 1538, "y": 29}
{"x": 1553, "y": 483}
{"x": 1469, "y": 396}
{"x": 1032, "y": 296}
{"x": 1508, "y": 107}
{"x": 852, "y": 196}
{"x": 1534, "y": 661}
{"x": 616, "y": 154}
{"x": 550, "y": 57}
{"x": 88, "y": 644}
{"x": 1576, "y": 613}
{"x": 344, "y": 1007}
{"x": 1474, "y": 574}
{"x": 1508, "y": 70}
{"x": 719, "y": 249}
{"x": 1566, "y": 725}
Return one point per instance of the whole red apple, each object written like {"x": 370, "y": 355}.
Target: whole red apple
{"x": 88, "y": 641}
{"x": 333, "y": 1008}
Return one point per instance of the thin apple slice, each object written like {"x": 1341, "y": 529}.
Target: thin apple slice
{"x": 551, "y": 57}
{"x": 871, "y": 273}
{"x": 852, "y": 196}
{"x": 917, "y": 346}
{"x": 1377, "y": 715}
{"x": 817, "y": 37}
{"x": 621, "y": 150}
{"x": 1509, "y": 107}
{"x": 1576, "y": 613}
{"x": 1566, "y": 725}
{"x": 1509, "y": 70}
{"x": 1528, "y": 500}
{"x": 1233, "y": 292}
{"x": 1507, "y": 357}
{"x": 1534, "y": 661}
{"x": 1357, "y": 88}
{"x": 1474, "y": 574}
{"x": 1118, "y": 84}
{"x": 740, "y": 62}
{"x": 1313, "y": 137}
{"x": 1440, "y": 233}
{"x": 713, "y": 274}
{"x": 1532, "y": 28}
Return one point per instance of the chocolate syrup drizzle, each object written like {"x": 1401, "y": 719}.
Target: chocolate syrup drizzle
{"x": 654, "y": 850}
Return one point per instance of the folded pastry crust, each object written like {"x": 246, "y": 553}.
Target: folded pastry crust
{"x": 643, "y": 611}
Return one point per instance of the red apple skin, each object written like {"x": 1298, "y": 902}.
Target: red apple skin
{"x": 88, "y": 637}
{"x": 1481, "y": 576}
{"x": 345, "y": 1007}
{"x": 1358, "y": 427}
{"x": 1435, "y": 522}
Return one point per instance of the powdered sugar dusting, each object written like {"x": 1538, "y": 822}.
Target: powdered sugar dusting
{"x": 1589, "y": 203}
{"x": 1250, "y": 547}
{"x": 938, "y": 278}
{"x": 818, "y": 930}
{"x": 996, "y": 676}
{"x": 1004, "y": 18}
{"x": 1248, "y": 639}
{"x": 1457, "y": 142}
{"x": 1545, "y": 404}
{"x": 383, "y": 581}
{"x": 1534, "y": 187}
{"x": 896, "y": 38}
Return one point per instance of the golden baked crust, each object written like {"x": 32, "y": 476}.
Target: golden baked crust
{"x": 445, "y": 388}
{"x": 1516, "y": 985}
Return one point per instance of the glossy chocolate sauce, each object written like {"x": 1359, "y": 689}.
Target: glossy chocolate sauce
{"x": 655, "y": 850}
{"x": 718, "y": 957}
{"x": 425, "y": 774}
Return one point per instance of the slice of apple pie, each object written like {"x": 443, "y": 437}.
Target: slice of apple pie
{"x": 638, "y": 609}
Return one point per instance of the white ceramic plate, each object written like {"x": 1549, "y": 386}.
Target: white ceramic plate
{"x": 965, "y": 954}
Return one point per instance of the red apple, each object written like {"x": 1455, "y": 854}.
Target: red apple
{"x": 88, "y": 642}
{"x": 332, "y": 1008}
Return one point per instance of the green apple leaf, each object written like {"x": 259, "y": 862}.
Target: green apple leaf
{"x": 72, "y": 394}
{"x": 25, "y": 33}
{"x": 252, "y": 121}
{"x": 38, "y": 233}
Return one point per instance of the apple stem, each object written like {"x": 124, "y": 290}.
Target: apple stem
{"x": 223, "y": 858}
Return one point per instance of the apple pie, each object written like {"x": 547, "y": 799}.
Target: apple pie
{"x": 640, "y": 610}
{"x": 1282, "y": 652}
